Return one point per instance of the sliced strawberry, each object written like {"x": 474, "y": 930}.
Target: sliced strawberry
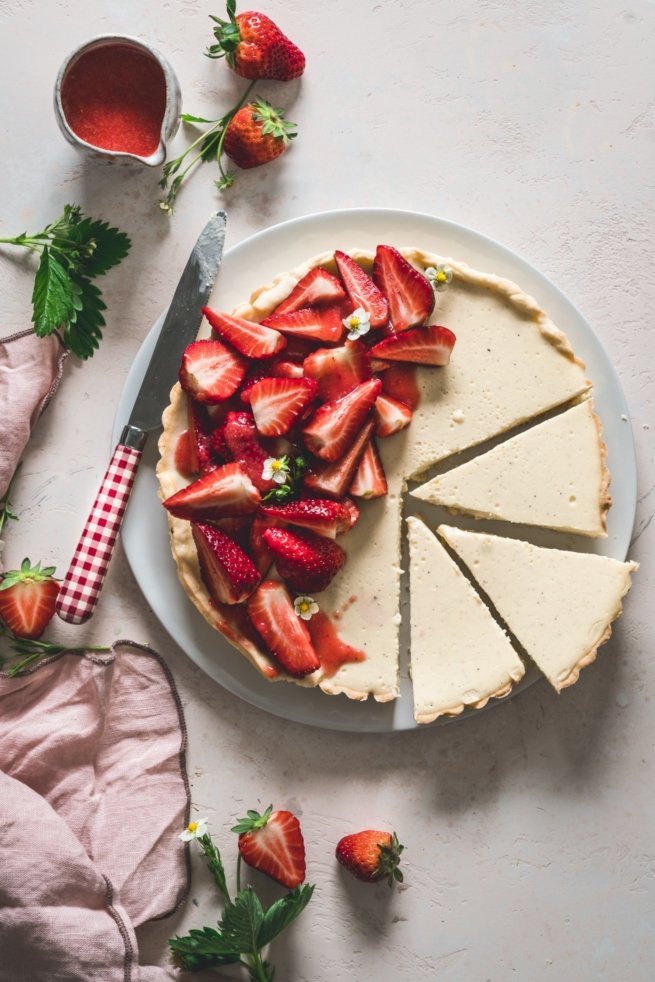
{"x": 399, "y": 382}
{"x": 273, "y": 844}
{"x": 307, "y": 562}
{"x": 320, "y": 515}
{"x": 316, "y": 289}
{"x": 250, "y": 339}
{"x": 317, "y": 323}
{"x": 210, "y": 371}
{"x": 219, "y": 450}
{"x": 361, "y": 289}
{"x": 277, "y": 403}
{"x": 27, "y": 599}
{"x": 221, "y": 493}
{"x": 243, "y": 443}
{"x": 390, "y": 416}
{"x": 286, "y": 368}
{"x": 334, "y": 479}
{"x": 338, "y": 370}
{"x": 261, "y": 554}
{"x": 429, "y": 345}
{"x": 227, "y": 571}
{"x": 335, "y": 425}
{"x": 272, "y": 614}
{"x": 200, "y": 457}
{"x": 369, "y": 480}
{"x": 377, "y": 365}
{"x": 410, "y": 294}
{"x": 353, "y": 512}
{"x": 257, "y": 371}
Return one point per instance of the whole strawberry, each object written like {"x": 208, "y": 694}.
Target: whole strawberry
{"x": 371, "y": 855}
{"x": 257, "y": 134}
{"x": 254, "y": 47}
{"x": 27, "y": 599}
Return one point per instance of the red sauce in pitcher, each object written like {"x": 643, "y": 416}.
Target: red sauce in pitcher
{"x": 114, "y": 97}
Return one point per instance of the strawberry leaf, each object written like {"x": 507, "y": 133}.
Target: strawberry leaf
{"x": 281, "y": 913}
{"x": 52, "y": 297}
{"x": 241, "y": 923}
{"x": 83, "y": 332}
{"x": 202, "y": 948}
{"x": 101, "y": 246}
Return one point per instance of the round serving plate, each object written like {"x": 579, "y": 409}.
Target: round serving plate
{"x": 255, "y": 262}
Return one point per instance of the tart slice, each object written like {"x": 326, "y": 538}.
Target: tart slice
{"x": 552, "y": 475}
{"x": 459, "y": 655}
{"x": 559, "y": 605}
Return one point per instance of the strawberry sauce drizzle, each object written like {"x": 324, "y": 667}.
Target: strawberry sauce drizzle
{"x": 332, "y": 651}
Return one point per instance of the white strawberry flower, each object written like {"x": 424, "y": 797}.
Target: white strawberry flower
{"x": 358, "y": 323}
{"x": 276, "y": 469}
{"x": 305, "y": 607}
{"x": 439, "y": 276}
{"x": 194, "y": 830}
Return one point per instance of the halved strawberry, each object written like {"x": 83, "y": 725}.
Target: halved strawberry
{"x": 272, "y": 614}
{"x": 286, "y": 368}
{"x": 317, "y": 323}
{"x": 219, "y": 450}
{"x": 410, "y": 294}
{"x": 27, "y": 599}
{"x": 277, "y": 403}
{"x": 429, "y": 345}
{"x": 399, "y": 382}
{"x": 307, "y": 562}
{"x": 320, "y": 515}
{"x": 227, "y": 571}
{"x": 390, "y": 416}
{"x": 211, "y": 372}
{"x": 353, "y": 512}
{"x": 273, "y": 844}
{"x": 242, "y": 441}
{"x": 261, "y": 554}
{"x": 335, "y": 425}
{"x": 200, "y": 457}
{"x": 361, "y": 289}
{"x": 369, "y": 480}
{"x": 338, "y": 370}
{"x": 334, "y": 479}
{"x": 221, "y": 493}
{"x": 317, "y": 288}
{"x": 257, "y": 371}
{"x": 250, "y": 339}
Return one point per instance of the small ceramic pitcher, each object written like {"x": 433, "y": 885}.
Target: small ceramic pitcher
{"x": 173, "y": 104}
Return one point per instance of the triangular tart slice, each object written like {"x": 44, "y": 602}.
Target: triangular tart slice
{"x": 460, "y": 656}
{"x": 552, "y": 475}
{"x": 559, "y": 605}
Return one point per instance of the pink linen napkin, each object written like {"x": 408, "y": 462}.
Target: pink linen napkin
{"x": 94, "y": 791}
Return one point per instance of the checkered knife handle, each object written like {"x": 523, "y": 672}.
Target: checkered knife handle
{"x": 82, "y": 584}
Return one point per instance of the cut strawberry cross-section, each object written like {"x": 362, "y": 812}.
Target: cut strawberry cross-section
{"x": 242, "y": 440}
{"x": 334, "y": 426}
{"x": 316, "y": 289}
{"x": 317, "y": 323}
{"x": 227, "y": 571}
{"x": 338, "y": 370}
{"x": 429, "y": 345}
{"x": 361, "y": 289}
{"x": 211, "y": 372}
{"x": 410, "y": 294}
{"x": 273, "y": 616}
{"x": 273, "y": 844}
{"x": 221, "y": 493}
{"x": 286, "y": 368}
{"x": 307, "y": 562}
{"x": 334, "y": 479}
{"x": 278, "y": 402}
{"x": 250, "y": 339}
{"x": 390, "y": 416}
{"x": 369, "y": 480}
{"x": 320, "y": 515}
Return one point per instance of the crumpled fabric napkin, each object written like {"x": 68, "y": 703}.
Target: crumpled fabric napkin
{"x": 93, "y": 784}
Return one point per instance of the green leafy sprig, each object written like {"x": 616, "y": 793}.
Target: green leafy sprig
{"x": 74, "y": 250}
{"x": 29, "y": 650}
{"x": 295, "y": 467}
{"x": 245, "y": 926}
{"x": 208, "y": 146}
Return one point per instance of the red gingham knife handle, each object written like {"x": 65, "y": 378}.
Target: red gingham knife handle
{"x": 82, "y": 584}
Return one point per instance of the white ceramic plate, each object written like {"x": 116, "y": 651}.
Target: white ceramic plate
{"x": 257, "y": 261}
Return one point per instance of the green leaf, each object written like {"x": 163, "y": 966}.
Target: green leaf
{"x": 102, "y": 246}
{"x": 210, "y": 146}
{"x": 281, "y": 913}
{"x": 83, "y": 332}
{"x": 241, "y": 922}
{"x": 215, "y": 864}
{"x": 188, "y": 118}
{"x": 52, "y": 296}
{"x": 204, "y": 948}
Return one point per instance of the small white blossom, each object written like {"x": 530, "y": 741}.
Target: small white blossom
{"x": 276, "y": 469}
{"x": 194, "y": 830}
{"x": 439, "y": 276}
{"x": 358, "y": 323}
{"x": 305, "y": 607}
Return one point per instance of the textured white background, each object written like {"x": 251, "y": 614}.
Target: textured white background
{"x": 529, "y": 830}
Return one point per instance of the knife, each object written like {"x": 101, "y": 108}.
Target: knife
{"x": 82, "y": 584}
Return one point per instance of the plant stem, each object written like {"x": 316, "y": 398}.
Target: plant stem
{"x": 260, "y": 969}
{"x": 215, "y": 864}
{"x": 239, "y": 873}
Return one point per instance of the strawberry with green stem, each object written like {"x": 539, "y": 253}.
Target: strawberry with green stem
{"x": 255, "y": 47}
{"x": 371, "y": 855}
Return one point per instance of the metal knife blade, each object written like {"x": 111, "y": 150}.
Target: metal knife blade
{"x": 179, "y": 329}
